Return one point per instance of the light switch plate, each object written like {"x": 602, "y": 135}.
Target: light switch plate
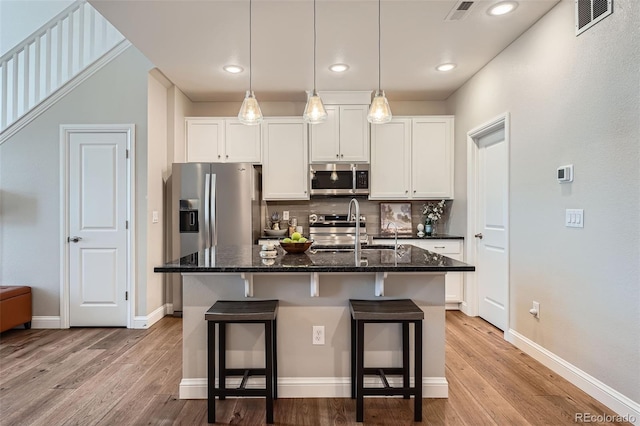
{"x": 154, "y": 217}
{"x": 574, "y": 218}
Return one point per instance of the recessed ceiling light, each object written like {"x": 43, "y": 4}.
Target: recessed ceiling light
{"x": 502, "y": 8}
{"x": 233, "y": 69}
{"x": 445, "y": 67}
{"x": 339, "y": 67}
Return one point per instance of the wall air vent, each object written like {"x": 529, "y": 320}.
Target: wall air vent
{"x": 590, "y": 12}
{"x": 459, "y": 11}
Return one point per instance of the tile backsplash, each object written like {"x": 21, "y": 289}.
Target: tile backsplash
{"x": 339, "y": 205}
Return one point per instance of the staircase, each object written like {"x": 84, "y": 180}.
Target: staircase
{"x": 53, "y": 60}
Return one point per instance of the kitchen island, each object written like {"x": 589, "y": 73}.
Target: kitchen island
{"x": 314, "y": 289}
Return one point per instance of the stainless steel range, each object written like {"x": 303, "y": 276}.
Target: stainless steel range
{"x": 335, "y": 229}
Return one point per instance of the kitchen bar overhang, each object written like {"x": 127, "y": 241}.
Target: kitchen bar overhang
{"x": 377, "y": 259}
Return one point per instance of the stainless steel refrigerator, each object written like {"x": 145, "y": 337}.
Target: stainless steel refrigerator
{"x": 210, "y": 204}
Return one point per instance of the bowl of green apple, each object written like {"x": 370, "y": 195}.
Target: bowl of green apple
{"x": 295, "y": 244}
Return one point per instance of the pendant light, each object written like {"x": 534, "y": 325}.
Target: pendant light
{"x": 379, "y": 111}
{"x": 314, "y": 111}
{"x": 250, "y": 113}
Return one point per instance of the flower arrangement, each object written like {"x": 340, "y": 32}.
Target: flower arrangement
{"x": 433, "y": 211}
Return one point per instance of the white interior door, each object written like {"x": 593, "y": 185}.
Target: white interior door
{"x": 491, "y": 227}
{"x": 97, "y": 228}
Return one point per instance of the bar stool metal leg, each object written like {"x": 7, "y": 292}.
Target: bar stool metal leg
{"x": 359, "y": 371}
{"x": 211, "y": 366}
{"x": 417, "y": 408}
{"x": 275, "y": 359}
{"x": 222, "y": 348}
{"x": 353, "y": 358}
{"x": 268, "y": 361}
{"x": 405, "y": 358}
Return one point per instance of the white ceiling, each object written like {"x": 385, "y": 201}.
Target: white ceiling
{"x": 191, "y": 40}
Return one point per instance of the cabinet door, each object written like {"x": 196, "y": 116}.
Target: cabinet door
{"x": 242, "y": 142}
{"x": 204, "y": 140}
{"x": 354, "y": 133}
{"x": 285, "y": 168}
{"x": 432, "y": 157}
{"x": 453, "y": 280}
{"x": 325, "y": 138}
{"x": 390, "y": 160}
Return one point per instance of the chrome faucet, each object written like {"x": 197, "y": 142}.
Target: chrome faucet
{"x": 395, "y": 247}
{"x": 357, "y": 244}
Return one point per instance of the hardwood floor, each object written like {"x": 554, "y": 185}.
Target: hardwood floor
{"x": 110, "y": 376}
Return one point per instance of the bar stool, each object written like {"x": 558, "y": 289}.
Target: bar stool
{"x": 402, "y": 311}
{"x": 243, "y": 312}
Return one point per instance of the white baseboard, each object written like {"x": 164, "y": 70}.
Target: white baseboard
{"x": 605, "y": 394}
{"x": 148, "y": 320}
{"x": 314, "y": 387}
{"x": 46, "y": 322}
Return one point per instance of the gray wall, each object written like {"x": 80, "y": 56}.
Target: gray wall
{"x": 30, "y": 177}
{"x": 572, "y": 100}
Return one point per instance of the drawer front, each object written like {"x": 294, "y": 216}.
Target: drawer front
{"x": 438, "y": 246}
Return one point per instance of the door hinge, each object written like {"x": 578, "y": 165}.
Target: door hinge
{"x": 127, "y": 153}
{"x": 126, "y": 295}
{"x": 126, "y": 224}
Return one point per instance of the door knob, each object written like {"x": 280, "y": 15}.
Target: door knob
{"x": 478, "y": 235}
{"x": 73, "y": 239}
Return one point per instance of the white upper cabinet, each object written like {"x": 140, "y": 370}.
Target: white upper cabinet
{"x": 390, "y": 175}
{"x": 221, "y": 140}
{"x": 412, "y": 158}
{"x": 432, "y": 157}
{"x": 285, "y": 166}
{"x": 343, "y": 137}
{"x": 204, "y": 141}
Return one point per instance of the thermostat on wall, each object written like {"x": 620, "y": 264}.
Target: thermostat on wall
{"x": 565, "y": 174}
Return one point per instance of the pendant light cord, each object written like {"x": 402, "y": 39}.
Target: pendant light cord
{"x": 314, "y": 47}
{"x": 379, "y": 43}
{"x": 250, "y": 67}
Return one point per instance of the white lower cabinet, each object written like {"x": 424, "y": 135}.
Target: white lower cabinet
{"x": 285, "y": 160}
{"x": 451, "y": 248}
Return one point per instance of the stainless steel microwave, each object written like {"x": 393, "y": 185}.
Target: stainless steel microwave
{"x": 339, "y": 179}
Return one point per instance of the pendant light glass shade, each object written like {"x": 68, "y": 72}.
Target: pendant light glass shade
{"x": 314, "y": 112}
{"x": 379, "y": 111}
{"x": 250, "y": 113}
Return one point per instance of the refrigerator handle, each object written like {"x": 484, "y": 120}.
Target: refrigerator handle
{"x": 213, "y": 218}
{"x": 207, "y": 210}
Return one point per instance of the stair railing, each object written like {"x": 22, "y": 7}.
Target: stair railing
{"x": 52, "y": 56}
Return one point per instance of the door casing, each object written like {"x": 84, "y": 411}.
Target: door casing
{"x": 470, "y": 305}
{"x": 65, "y": 131}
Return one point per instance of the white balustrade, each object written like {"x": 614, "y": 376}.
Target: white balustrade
{"x": 52, "y": 56}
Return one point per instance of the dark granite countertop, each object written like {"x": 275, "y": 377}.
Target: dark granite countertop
{"x": 246, "y": 258}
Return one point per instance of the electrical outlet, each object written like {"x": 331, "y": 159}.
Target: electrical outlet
{"x": 318, "y": 334}
{"x": 154, "y": 217}
{"x": 285, "y": 215}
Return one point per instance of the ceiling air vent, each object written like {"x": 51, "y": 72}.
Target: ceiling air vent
{"x": 459, "y": 11}
{"x": 590, "y": 12}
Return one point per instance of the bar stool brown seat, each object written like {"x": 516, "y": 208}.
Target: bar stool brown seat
{"x": 401, "y": 311}
{"x": 242, "y": 312}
